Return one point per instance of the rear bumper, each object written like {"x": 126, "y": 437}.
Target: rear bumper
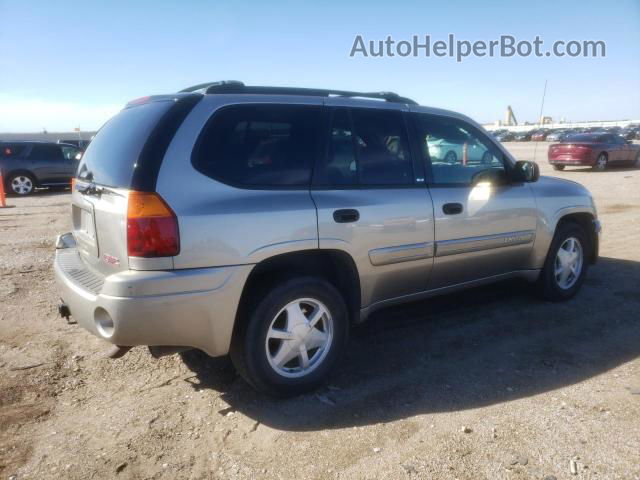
{"x": 191, "y": 308}
{"x": 564, "y": 159}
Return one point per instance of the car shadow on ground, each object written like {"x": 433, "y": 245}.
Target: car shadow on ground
{"x": 465, "y": 350}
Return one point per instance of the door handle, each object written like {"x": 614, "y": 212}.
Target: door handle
{"x": 452, "y": 208}
{"x": 346, "y": 215}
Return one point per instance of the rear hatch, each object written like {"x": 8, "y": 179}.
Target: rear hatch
{"x": 125, "y": 155}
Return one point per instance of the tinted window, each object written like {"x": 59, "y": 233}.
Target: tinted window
{"x": 456, "y": 150}
{"x": 366, "y": 147}
{"x": 260, "y": 145}
{"x": 617, "y": 139}
{"x": 9, "y": 150}
{"x": 585, "y": 137}
{"x": 111, "y": 156}
{"x": 50, "y": 153}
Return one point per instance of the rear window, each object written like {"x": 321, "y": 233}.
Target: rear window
{"x": 259, "y": 145}
{"x": 112, "y": 155}
{"x": 583, "y": 137}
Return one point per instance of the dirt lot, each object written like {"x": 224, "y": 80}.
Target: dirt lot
{"x": 492, "y": 383}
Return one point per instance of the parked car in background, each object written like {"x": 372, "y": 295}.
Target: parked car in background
{"x": 632, "y": 132}
{"x": 27, "y": 165}
{"x": 505, "y": 137}
{"x": 597, "y": 150}
{"x": 522, "y": 136}
{"x": 81, "y": 144}
{"x": 556, "y": 135}
{"x": 540, "y": 135}
{"x": 265, "y": 221}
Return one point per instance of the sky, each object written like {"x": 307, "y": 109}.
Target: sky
{"x": 68, "y": 64}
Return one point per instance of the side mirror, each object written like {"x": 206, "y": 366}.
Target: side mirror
{"x": 524, "y": 171}
{"x": 629, "y": 142}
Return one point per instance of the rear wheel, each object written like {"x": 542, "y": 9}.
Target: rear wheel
{"x": 566, "y": 264}
{"x": 601, "y": 162}
{"x": 292, "y": 338}
{"x": 21, "y": 184}
{"x": 558, "y": 167}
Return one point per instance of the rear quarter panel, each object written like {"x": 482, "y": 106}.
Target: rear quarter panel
{"x": 224, "y": 225}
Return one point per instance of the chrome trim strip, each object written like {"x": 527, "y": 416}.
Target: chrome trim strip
{"x": 485, "y": 242}
{"x": 401, "y": 253}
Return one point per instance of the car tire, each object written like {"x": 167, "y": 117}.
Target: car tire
{"x": 563, "y": 274}
{"x": 21, "y": 184}
{"x": 601, "y": 163}
{"x": 558, "y": 167}
{"x": 267, "y": 349}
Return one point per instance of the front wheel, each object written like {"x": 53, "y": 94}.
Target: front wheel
{"x": 293, "y": 337}
{"x": 558, "y": 167}
{"x": 566, "y": 264}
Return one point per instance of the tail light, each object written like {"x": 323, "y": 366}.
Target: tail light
{"x": 152, "y": 227}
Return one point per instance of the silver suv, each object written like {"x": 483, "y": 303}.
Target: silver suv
{"x": 264, "y": 221}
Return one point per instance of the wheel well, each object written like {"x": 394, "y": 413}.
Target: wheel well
{"x": 335, "y": 266}
{"x": 585, "y": 221}
{"x": 7, "y": 176}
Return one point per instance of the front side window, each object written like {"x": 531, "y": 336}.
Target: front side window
{"x": 366, "y": 147}
{"x": 260, "y": 145}
{"x": 456, "y": 150}
{"x": 70, "y": 153}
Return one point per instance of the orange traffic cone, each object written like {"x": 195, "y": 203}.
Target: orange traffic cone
{"x": 3, "y": 203}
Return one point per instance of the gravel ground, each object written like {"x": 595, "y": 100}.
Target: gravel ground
{"x": 492, "y": 383}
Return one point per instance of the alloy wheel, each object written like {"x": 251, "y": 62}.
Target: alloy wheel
{"x": 21, "y": 185}
{"x": 299, "y": 338}
{"x": 568, "y": 263}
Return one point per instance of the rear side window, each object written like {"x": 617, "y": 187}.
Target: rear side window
{"x": 11, "y": 150}
{"x": 50, "y": 153}
{"x": 259, "y": 145}
{"x": 366, "y": 147}
{"x": 112, "y": 155}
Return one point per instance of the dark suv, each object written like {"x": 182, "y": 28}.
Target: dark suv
{"x": 27, "y": 165}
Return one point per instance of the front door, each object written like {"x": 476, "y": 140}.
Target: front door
{"x": 483, "y": 226}
{"x": 372, "y": 204}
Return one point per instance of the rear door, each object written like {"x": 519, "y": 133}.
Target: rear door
{"x": 372, "y": 203}
{"x": 482, "y": 229}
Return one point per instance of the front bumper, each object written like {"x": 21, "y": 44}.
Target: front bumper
{"x": 192, "y": 308}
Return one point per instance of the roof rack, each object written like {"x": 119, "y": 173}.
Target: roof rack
{"x": 234, "y": 86}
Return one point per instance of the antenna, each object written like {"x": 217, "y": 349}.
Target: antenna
{"x": 540, "y": 119}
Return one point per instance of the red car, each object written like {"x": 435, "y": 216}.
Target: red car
{"x": 597, "y": 150}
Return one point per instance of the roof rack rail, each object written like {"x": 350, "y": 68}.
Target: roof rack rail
{"x": 234, "y": 86}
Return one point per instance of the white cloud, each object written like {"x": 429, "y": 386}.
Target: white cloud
{"x": 32, "y": 115}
